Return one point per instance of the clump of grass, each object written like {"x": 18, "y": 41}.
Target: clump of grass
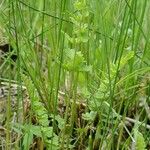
{"x": 86, "y": 69}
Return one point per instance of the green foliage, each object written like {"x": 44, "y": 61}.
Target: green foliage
{"x": 60, "y": 120}
{"x": 85, "y": 65}
{"x": 103, "y": 90}
{"x": 40, "y": 112}
{"x": 74, "y": 61}
{"x": 89, "y": 116}
{"x": 30, "y": 131}
{"x": 36, "y": 105}
{"x": 139, "y": 140}
{"x": 80, "y": 20}
{"x": 45, "y": 133}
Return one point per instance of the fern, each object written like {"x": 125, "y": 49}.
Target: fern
{"x": 103, "y": 91}
{"x": 41, "y": 114}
